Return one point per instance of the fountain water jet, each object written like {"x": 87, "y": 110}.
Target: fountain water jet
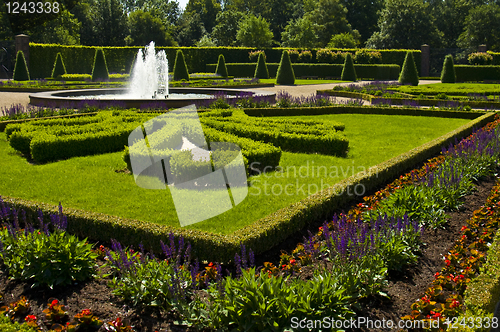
{"x": 149, "y": 77}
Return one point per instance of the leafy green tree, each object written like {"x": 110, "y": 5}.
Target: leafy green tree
{"x": 189, "y": 29}
{"x": 224, "y": 33}
{"x": 481, "y": 27}
{"x": 206, "y": 41}
{"x": 64, "y": 30}
{"x": 145, "y": 28}
{"x": 59, "y": 68}
{"x": 409, "y": 74}
{"x": 330, "y": 15}
{"x": 343, "y": 40}
{"x": 167, "y": 11}
{"x": 448, "y": 73}
{"x": 450, "y": 19}
{"x": 348, "y": 71}
{"x": 207, "y": 9}
{"x": 285, "y": 74}
{"x": 5, "y": 29}
{"x": 254, "y": 32}
{"x": 109, "y": 23}
{"x": 363, "y": 15}
{"x": 21, "y": 72}
{"x": 180, "y": 67}
{"x": 405, "y": 24}
{"x": 301, "y": 32}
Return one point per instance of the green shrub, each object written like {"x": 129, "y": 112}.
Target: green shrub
{"x": 180, "y": 67}
{"x": 480, "y": 58}
{"x": 49, "y": 260}
{"x": 343, "y": 40}
{"x": 6, "y": 325}
{"x": 261, "y": 70}
{"x": 21, "y": 72}
{"x": 100, "y": 69}
{"x": 348, "y": 71}
{"x": 221, "y": 67}
{"x": 285, "y": 73}
{"x": 368, "y": 57}
{"x": 305, "y": 56}
{"x": 448, "y": 73}
{"x": 59, "y": 68}
{"x": 409, "y": 74}
{"x": 469, "y": 73}
{"x": 324, "y": 55}
{"x": 294, "y": 55}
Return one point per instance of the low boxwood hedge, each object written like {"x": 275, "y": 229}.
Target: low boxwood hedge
{"x": 468, "y": 73}
{"x": 263, "y": 234}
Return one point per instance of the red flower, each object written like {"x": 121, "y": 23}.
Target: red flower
{"x": 30, "y": 318}
{"x": 436, "y": 275}
{"x": 447, "y": 261}
{"x": 293, "y": 261}
{"x": 463, "y": 228}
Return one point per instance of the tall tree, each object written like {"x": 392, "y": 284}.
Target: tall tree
{"x": 109, "y": 23}
{"x": 145, "y": 28}
{"x": 254, "y": 32}
{"x": 363, "y": 15}
{"x": 206, "y": 9}
{"x": 224, "y": 33}
{"x": 405, "y": 24}
{"x": 301, "y": 32}
{"x": 330, "y": 15}
{"x": 64, "y": 30}
{"x": 481, "y": 27}
{"x": 189, "y": 29}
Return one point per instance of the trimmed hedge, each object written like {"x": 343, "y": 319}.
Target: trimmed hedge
{"x": 380, "y": 72}
{"x": 323, "y": 141}
{"x": 59, "y": 68}
{"x": 285, "y": 74}
{"x": 21, "y": 72}
{"x": 100, "y": 69}
{"x": 78, "y": 59}
{"x": 448, "y": 73}
{"x": 221, "y": 67}
{"x": 300, "y": 111}
{"x": 54, "y": 139}
{"x": 262, "y": 235}
{"x": 467, "y": 73}
{"x": 180, "y": 68}
{"x": 261, "y": 70}
{"x": 409, "y": 73}
{"x": 348, "y": 71}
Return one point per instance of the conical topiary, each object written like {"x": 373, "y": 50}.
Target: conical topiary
{"x": 285, "y": 73}
{"x": 100, "y": 70}
{"x": 21, "y": 72}
{"x": 221, "y": 66}
{"x": 261, "y": 68}
{"x": 409, "y": 72}
{"x": 180, "y": 67}
{"x": 59, "y": 68}
{"x": 448, "y": 73}
{"x": 348, "y": 71}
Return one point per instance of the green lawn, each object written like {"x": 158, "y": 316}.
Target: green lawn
{"x": 92, "y": 183}
{"x": 455, "y": 88}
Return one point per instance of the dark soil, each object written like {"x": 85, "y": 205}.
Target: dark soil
{"x": 404, "y": 288}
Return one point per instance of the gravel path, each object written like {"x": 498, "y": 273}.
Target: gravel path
{"x": 8, "y": 99}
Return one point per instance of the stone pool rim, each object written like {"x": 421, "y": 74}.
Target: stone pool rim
{"x": 59, "y": 98}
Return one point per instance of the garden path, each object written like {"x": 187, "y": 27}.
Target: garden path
{"x": 8, "y": 99}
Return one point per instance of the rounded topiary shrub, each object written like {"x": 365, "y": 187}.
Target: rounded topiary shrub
{"x": 348, "y": 71}
{"x": 21, "y": 72}
{"x": 59, "y": 68}
{"x": 221, "y": 66}
{"x": 285, "y": 73}
{"x": 261, "y": 70}
{"x": 180, "y": 67}
{"x": 448, "y": 73}
{"x": 100, "y": 69}
{"x": 409, "y": 74}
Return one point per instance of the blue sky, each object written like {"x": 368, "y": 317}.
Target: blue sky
{"x": 182, "y": 3}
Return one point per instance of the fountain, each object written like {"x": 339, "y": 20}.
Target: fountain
{"x": 148, "y": 87}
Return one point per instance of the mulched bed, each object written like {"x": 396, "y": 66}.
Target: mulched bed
{"x": 403, "y": 289}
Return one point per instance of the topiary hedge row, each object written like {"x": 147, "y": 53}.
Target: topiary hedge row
{"x": 381, "y": 72}
{"x": 54, "y": 139}
{"x": 467, "y": 73}
{"x": 78, "y": 59}
{"x": 327, "y": 142}
{"x": 262, "y": 235}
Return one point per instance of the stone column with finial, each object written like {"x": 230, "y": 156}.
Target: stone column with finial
{"x": 425, "y": 60}
{"x": 23, "y": 44}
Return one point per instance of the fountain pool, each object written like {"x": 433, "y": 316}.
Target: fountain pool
{"x": 148, "y": 86}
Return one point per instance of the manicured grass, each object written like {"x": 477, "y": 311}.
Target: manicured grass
{"x": 456, "y": 88}
{"x": 92, "y": 183}
{"x": 304, "y": 82}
